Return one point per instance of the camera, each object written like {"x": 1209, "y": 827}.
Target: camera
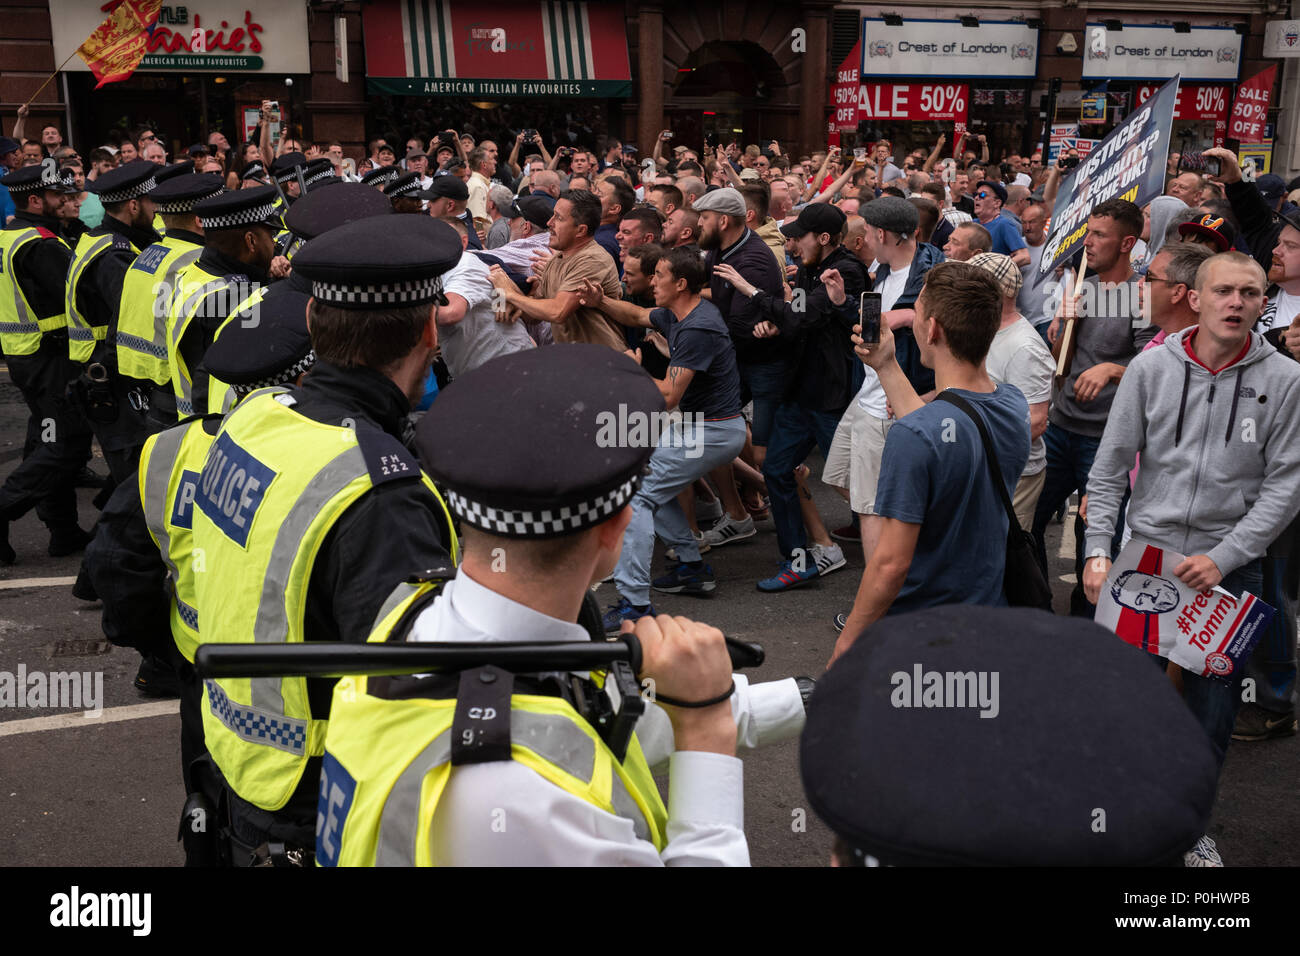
{"x": 1069, "y": 162}
{"x": 869, "y": 317}
{"x": 1194, "y": 161}
{"x": 530, "y": 135}
{"x": 711, "y": 140}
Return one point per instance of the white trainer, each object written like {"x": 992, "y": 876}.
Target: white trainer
{"x": 828, "y": 559}
{"x": 728, "y": 529}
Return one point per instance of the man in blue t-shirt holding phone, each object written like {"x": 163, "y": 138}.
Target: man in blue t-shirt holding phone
{"x": 944, "y": 531}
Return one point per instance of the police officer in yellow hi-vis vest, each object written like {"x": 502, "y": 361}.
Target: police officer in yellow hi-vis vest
{"x": 311, "y": 509}
{"x": 149, "y": 285}
{"x": 114, "y": 407}
{"x": 238, "y": 230}
{"x": 435, "y": 770}
{"x": 143, "y": 563}
{"x": 33, "y": 334}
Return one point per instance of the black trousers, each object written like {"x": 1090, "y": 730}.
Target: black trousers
{"x": 58, "y": 438}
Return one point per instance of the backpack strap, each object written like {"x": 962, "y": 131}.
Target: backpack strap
{"x": 990, "y": 456}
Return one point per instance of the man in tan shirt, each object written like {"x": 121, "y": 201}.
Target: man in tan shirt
{"x": 555, "y": 296}
{"x": 482, "y": 165}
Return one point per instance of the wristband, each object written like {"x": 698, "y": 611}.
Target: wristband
{"x": 673, "y": 702}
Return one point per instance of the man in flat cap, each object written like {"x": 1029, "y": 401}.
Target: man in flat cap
{"x": 148, "y": 287}
{"x": 239, "y": 229}
{"x": 142, "y": 560}
{"x": 34, "y": 262}
{"x": 114, "y": 407}
{"x": 537, "y": 537}
{"x": 310, "y": 509}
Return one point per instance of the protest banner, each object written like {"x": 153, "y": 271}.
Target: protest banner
{"x": 1128, "y": 164}
{"x": 1210, "y": 633}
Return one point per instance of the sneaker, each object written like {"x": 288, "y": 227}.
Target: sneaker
{"x": 1205, "y": 853}
{"x": 685, "y": 578}
{"x": 706, "y": 511}
{"x": 1256, "y": 723}
{"x": 728, "y": 529}
{"x": 841, "y": 620}
{"x": 788, "y": 578}
{"x": 851, "y": 533}
{"x": 827, "y": 559}
{"x": 671, "y": 553}
{"x": 624, "y": 610}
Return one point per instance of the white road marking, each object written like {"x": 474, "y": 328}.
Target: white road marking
{"x": 37, "y": 583}
{"x": 157, "y": 708}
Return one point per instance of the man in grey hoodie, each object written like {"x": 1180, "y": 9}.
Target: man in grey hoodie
{"x": 1220, "y": 479}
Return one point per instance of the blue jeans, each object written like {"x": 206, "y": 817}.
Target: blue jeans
{"x": 685, "y": 452}
{"x": 764, "y": 384}
{"x": 1213, "y": 700}
{"x": 1069, "y": 459}
{"x": 794, "y": 433}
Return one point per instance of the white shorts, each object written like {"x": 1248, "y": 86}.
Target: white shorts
{"x": 854, "y": 459}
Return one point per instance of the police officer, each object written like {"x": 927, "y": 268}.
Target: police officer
{"x": 149, "y": 285}
{"x": 230, "y": 271}
{"x": 113, "y": 407}
{"x": 381, "y": 176}
{"x": 288, "y": 173}
{"x": 142, "y": 561}
{"x": 310, "y": 510}
{"x": 34, "y": 262}
{"x": 319, "y": 211}
{"x": 406, "y": 194}
{"x": 402, "y": 756}
{"x": 319, "y": 172}
{"x": 937, "y": 740}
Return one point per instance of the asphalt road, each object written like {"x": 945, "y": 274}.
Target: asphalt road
{"x": 106, "y": 791}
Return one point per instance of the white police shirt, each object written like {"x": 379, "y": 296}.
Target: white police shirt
{"x": 505, "y": 814}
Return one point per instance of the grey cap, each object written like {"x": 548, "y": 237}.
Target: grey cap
{"x": 891, "y": 214}
{"x": 727, "y": 201}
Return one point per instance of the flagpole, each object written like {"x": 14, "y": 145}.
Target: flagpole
{"x": 50, "y": 77}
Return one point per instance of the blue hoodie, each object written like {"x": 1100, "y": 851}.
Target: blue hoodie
{"x": 1220, "y": 452}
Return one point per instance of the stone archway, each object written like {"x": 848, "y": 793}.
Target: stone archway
{"x": 740, "y": 43}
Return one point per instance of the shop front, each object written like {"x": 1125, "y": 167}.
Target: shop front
{"x": 919, "y": 79}
{"x": 558, "y": 67}
{"x": 1129, "y": 61}
{"x": 207, "y": 68}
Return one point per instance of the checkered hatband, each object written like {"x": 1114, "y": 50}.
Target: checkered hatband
{"x": 547, "y": 523}
{"x": 130, "y": 192}
{"x": 242, "y": 217}
{"x": 376, "y": 295}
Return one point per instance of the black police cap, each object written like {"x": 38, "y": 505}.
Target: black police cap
{"x": 130, "y": 181}
{"x": 175, "y": 169}
{"x": 254, "y": 170}
{"x": 448, "y": 186}
{"x": 320, "y": 211}
{"x": 271, "y": 348}
{"x": 285, "y": 167}
{"x": 29, "y": 179}
{"x": 180, "y": 194}
{"x": 563, "y": 401}
{"x": 317, "y": 171}
{"x": 1087, "y": 756}
{"x": 379, "y": 262}
{"x": 404, "y": 186}
{"x": 238, "y": 209}
{"x": 381, "y": 175}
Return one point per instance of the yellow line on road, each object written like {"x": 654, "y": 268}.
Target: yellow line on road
{"x": 110, "y": 715}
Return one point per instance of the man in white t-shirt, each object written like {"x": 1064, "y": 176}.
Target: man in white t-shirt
{"x": 853, "y": 464}
{"x": 1020, "y": 357}
{"x": 1283, "y": 306}
{"x": 468, "y": 332}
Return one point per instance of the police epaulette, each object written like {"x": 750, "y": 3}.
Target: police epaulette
{"x": 386, "y": 458}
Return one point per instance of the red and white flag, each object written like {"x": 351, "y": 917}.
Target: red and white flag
{"x": 1250, "y": 109}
